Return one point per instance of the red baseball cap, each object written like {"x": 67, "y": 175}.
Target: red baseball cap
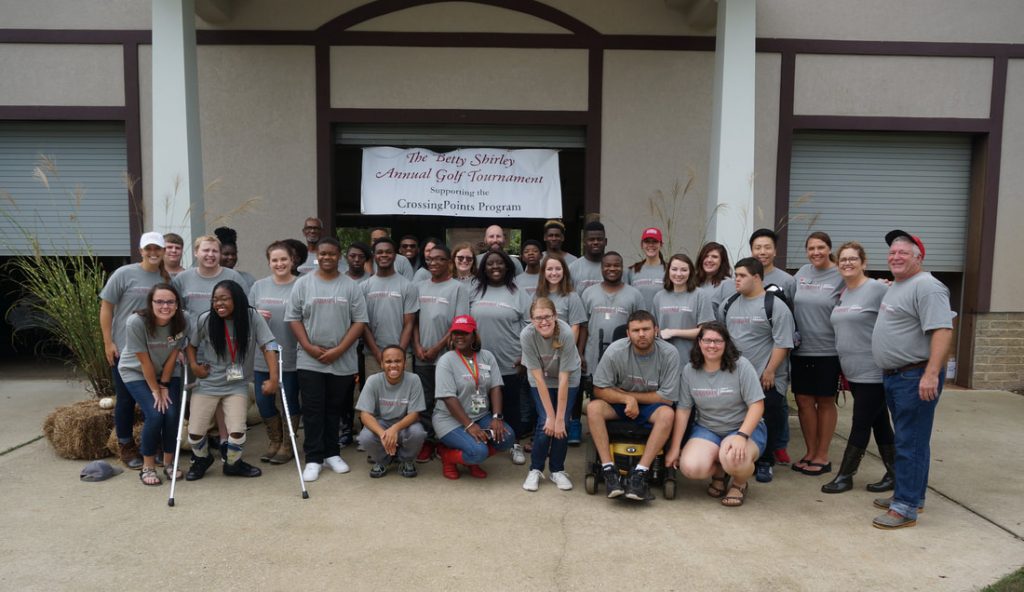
{"x": 895, "y": 234}
{"x": 651, "y": 233}
{"x": 464, "y": 323}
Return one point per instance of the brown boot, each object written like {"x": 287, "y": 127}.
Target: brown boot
{"x": 129, "y": 454}
{"x": 285, "y": 453}
{"x": 273, "y": 436}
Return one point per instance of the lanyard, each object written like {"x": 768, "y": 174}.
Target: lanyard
{"x": 474, "y": 369}
{"x": 231, "y": 344}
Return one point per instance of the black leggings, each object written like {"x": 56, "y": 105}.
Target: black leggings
{"x": 869, "y": 414}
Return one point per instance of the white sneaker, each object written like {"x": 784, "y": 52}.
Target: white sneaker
{"x": 311, "y": 472}
{"x": 533, "y": 480}
{"x": 337, "y": 464}
{"x": 518, "y": 456}
{"x": 561, "y": 480}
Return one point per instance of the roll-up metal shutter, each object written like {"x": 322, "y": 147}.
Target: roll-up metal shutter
{"x": 461, "y": 136}
{"x": 62, "y": 186}
{"x": 858, "y": 186}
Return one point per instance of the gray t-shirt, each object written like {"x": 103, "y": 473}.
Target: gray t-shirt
{"x": 247, "y": 279}
{"x": 780, "y": 278}
{"x": 266, "y": 295}
{"x": 718, "y": 294}
{"x": 127, "y": 289}
{"x": 585, "y": 273}
{"x": 568, "y": 257}
{"x": 422, "y": 275}
{"x": 453, "y": 379}
{"x": 607, "y": 311}
{"x": 853, "y": 320}
{"x": 540, "y": 353}
{"x": 721, "y": 397}
{"x": 569, "y": 308}
{"x": 327, "y": 309}
{"x": 440, "y": 302}
{"x": 197, "y": 290}
{"x": 387, "y": 300}
{"x": 817, "y": 292}
{"x": 500, "y": 317}
{"x": 649, "y": 280}
{"x": 216, "y": 382}
{"x": 528, "y": 283}
{"x": 910, "y": 309}
{"x": 755, "y": 337}
{"x": 391, "y": 402}
{"x": 682, "y": 310}
{"x": 310, "y": 264}
{"x": 160, "y": 346}
{"x": 621, "y": 367}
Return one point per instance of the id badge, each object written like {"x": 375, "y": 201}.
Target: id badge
{"x": 233, "y": 373}
{"x": 607, "y": 316}
{"x": 479, "y": 403}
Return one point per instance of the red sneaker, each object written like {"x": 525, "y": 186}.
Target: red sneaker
{"x": 450, "y": 460}
{"x": 426, "y": 453}
{"x": 476, "y": 472}
{"x": 782, "y": 457}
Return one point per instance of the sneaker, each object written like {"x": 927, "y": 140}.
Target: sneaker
{"x": 378, "y": 470}
{"x": 764, "y": 473}
{"x": 612, "y": 482}
{"x": 408, "y": 469}
{"x": 476, "y": 472}
{"x": 337, "y": 464}
{"x": 426, "y": 453}
{"x": 561, "y": 480}
{"x": 637, "y": 487}
{"x": 782, "y": 457}
{"x": 893, "y": 520}
{"x": 533, "y": 480}
{"x": 884, "y": 503}
{"x": 518, "y": 456}
{"x": 240, "y": 468}
{"x": 344, "y": 440}
{"x": 311, "y": 472}
{"x": 575, "y": 432}
{"x": 198, "y": 467}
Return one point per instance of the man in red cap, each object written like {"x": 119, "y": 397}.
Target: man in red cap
{"x": 910, "y": 343}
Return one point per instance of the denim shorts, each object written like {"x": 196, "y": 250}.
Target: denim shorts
{"x": 643, "y": 418}
{"x": 759, "y": 437}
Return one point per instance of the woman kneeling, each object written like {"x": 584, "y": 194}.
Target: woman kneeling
{"x": 728, "y": 435}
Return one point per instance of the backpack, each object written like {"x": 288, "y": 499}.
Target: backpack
{"x": 771, "y": 293}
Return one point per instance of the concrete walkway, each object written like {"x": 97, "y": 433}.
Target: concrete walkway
{"x": 57, "y": 533}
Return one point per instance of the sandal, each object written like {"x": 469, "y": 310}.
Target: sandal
{"x": 822, "y": 468}
{"x": 149, "y": 477}
{"x": 167, "y": 473}
{"x": 800, "y": 465}
{"x": 715, "y": 491}
{"x": 735, "y": 501}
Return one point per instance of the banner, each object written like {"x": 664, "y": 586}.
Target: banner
{"x": 474, "y": 182}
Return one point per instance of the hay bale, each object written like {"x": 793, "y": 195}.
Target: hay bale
{"x": 79, "y": 431}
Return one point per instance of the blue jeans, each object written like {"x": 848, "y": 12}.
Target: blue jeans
{"x": 912, "y": 419}
{"x": 124, "y": 409}
{"x": 266, "y": 405}
{"x": 546, "y": 447}
{"x": 159, "y": 428}
{"x": 474, "y": 452}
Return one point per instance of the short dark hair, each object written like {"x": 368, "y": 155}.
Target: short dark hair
{"x": 612, "y": 253}
{"x": 384, "y": 239}
{"x": 751, "y": 265}
{"x": 329, "y": 240}
{"x": 640, "y": 316}
{"x": 360, "y": 246}
{"x": 593, "y": 226}
{"x": 532, "y": 242}
{"x": 764, "y": 232}
{"x": 442, "y": 247}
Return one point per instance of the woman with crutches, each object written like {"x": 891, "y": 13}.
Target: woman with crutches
{"x": 147, "y": 365}
{"x": 221, "y": 348}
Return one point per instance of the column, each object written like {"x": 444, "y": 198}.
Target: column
{"x": 731, "y": 180}
{"x": 177, "y": 200}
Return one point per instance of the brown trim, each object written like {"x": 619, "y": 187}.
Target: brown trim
{"x": 503, "y": 40}
{"x": 658, "y": 42}
{"x": 61, "y": 113}
{"x": 324, "y": 141}
{"x": 967, "y": 320}
{"x": 902, "y": 124}
{"x": 595, "y": 106}
{"x": 133, "y": 141}
{"x": 783, "y": 156}
{"x": 531, "y": 7}
{"x": 890, "y": 48}
{"x": 245, "y": 37}
{"x": 991, "y": 196}
{"x": 75, "y": 36}
{"x": 472, "y": 116}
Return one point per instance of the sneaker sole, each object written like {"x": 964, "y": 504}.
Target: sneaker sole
{"x": 894, "y": 526}
{"x": 886, "y": 507}
{"x": 616, "y": 493}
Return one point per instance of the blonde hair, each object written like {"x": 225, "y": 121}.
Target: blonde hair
{"x": 544, "y": 302}
{"x": 206, "y": 238}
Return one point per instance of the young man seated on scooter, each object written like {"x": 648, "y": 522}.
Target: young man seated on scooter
{"x": 636, "y": 380}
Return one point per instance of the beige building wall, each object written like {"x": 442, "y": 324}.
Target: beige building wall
{"x": 766, "y": 141}
{"x": 894, "y": 86}
{"x": 459, "y": 78}
{"x": 656, "y": 130}
{"x": 79, "y": 75}
{"x": 75, "y": 14}
{"x": 985, "y": 21}
{"x": 258, "y": 127}
{"x": 1008, "y": 287}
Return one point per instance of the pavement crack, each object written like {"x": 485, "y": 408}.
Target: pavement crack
{"x": 23, "y": 444}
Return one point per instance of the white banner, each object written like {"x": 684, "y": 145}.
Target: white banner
{"x": 475, "y": 182}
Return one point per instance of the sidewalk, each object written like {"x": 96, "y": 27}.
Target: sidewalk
{"x": 432, "y": 534}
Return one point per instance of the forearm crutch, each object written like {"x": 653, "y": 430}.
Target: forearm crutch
{"x": 288, "y": 418}
{"x": 185, "y": 387}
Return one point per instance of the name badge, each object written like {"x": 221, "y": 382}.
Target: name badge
{"x": 233, "y": 373}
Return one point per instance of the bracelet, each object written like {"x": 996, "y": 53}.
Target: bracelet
{"x": 742, "y": 433}
{"x": 164, "y": 384}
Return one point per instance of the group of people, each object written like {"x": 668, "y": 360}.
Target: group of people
{"x": 445, "y": 346}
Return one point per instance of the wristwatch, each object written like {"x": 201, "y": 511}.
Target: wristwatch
{"x": 498, "y": 416}
{"x": 741, "y": 433}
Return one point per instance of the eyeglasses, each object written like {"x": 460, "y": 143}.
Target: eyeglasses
{"x": 308, "y": 228}
{"x": 850, "y": 260}
{"x": 544, "y": 318}
{"x": 464, "y": 258}
{"x": 715, "y": 342}
{"x": 165, "y": 302}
